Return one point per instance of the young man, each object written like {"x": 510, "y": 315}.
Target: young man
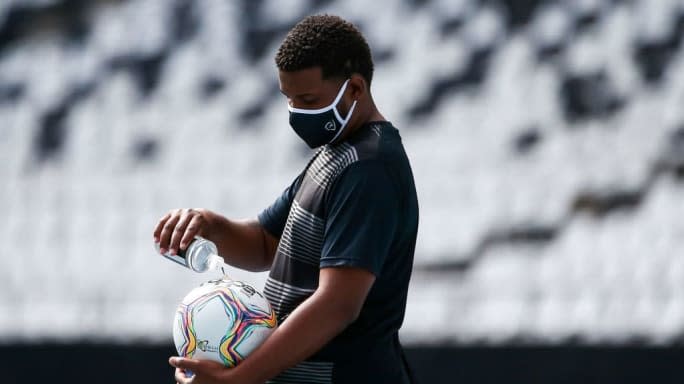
{"x": 339, "y": 241}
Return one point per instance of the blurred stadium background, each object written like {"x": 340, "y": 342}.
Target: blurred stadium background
{"x": 547, "y": 140}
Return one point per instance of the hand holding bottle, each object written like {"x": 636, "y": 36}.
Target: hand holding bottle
{"x": 177, "y": 229}
{"x": 242, "y": 243}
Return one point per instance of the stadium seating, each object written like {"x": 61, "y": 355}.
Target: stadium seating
{"x": 546, "y": 139}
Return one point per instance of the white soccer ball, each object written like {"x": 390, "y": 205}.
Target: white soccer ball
{"x": 222, "y": 320}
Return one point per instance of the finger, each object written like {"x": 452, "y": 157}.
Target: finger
{"x": 182, "y": 377}
{"x": 160, "y": 225}
{"x": 185, "y": 364}
{"x": 166, "y": 232}
{"x": 179, "y": 231}
{"x": 192, "y": 230}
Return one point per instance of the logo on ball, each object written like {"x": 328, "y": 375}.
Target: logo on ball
{"x": 204, "y": 346}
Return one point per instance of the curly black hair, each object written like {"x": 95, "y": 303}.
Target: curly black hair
{"x": 329, "y": 42}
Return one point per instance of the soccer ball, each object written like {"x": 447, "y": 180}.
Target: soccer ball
{"x": 222, "y": 320}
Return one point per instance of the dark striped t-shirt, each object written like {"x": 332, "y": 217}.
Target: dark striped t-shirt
{"x": 353, "y": 205}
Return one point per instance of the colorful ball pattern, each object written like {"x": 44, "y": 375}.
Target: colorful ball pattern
{"x": 222, "y": 320}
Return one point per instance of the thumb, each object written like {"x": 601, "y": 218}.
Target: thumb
{"x": 183, "y": 363}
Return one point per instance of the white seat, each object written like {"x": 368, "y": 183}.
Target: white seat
{"x": 600, "y": 279}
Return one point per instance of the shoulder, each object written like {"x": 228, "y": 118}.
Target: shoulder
{"x": 368, "y": 179}
{"x": 375, "y": 140}
{"x": 373, "y": 155}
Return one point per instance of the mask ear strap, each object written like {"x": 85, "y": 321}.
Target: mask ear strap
{"x": 345, "y": 121}
{"x": 340, "y": 93}
{"x": 337, "y": 100}
{"x": 324, "y": 109}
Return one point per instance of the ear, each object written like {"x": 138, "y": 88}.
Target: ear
{"x": 358, "y": 86}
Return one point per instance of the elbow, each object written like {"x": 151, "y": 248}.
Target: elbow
{"x": 352, "y": 317}
{"x": 347, "y": 313}
{"x": 337, "y": 310}
{"x": 344, "y": 292}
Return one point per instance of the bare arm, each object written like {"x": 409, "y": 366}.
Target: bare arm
{"x": 242, "y": 243}
{"x": 336, "y": 303}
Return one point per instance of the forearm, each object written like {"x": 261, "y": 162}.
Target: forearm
{"x": 335, "y": 304}
{"x": 241, "y": 243}
{"x": 312, "y": 325}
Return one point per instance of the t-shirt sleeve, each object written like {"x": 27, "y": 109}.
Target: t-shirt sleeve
{"x": 362, "y": 218}
{"x": 273, "y": 218}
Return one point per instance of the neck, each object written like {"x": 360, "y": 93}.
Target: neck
{"x": 366, "y": 115}
{"x": 373, "y": 114}
{"x": 376, "y": 116}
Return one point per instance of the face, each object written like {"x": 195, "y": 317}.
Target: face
{"x": 320, "y": 110}
{"x": 306, "y": 89}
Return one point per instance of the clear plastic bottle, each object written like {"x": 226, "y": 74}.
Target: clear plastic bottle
{"x": 200, "y": 256}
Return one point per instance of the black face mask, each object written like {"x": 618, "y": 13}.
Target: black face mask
{"x": 320, "y": 126}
